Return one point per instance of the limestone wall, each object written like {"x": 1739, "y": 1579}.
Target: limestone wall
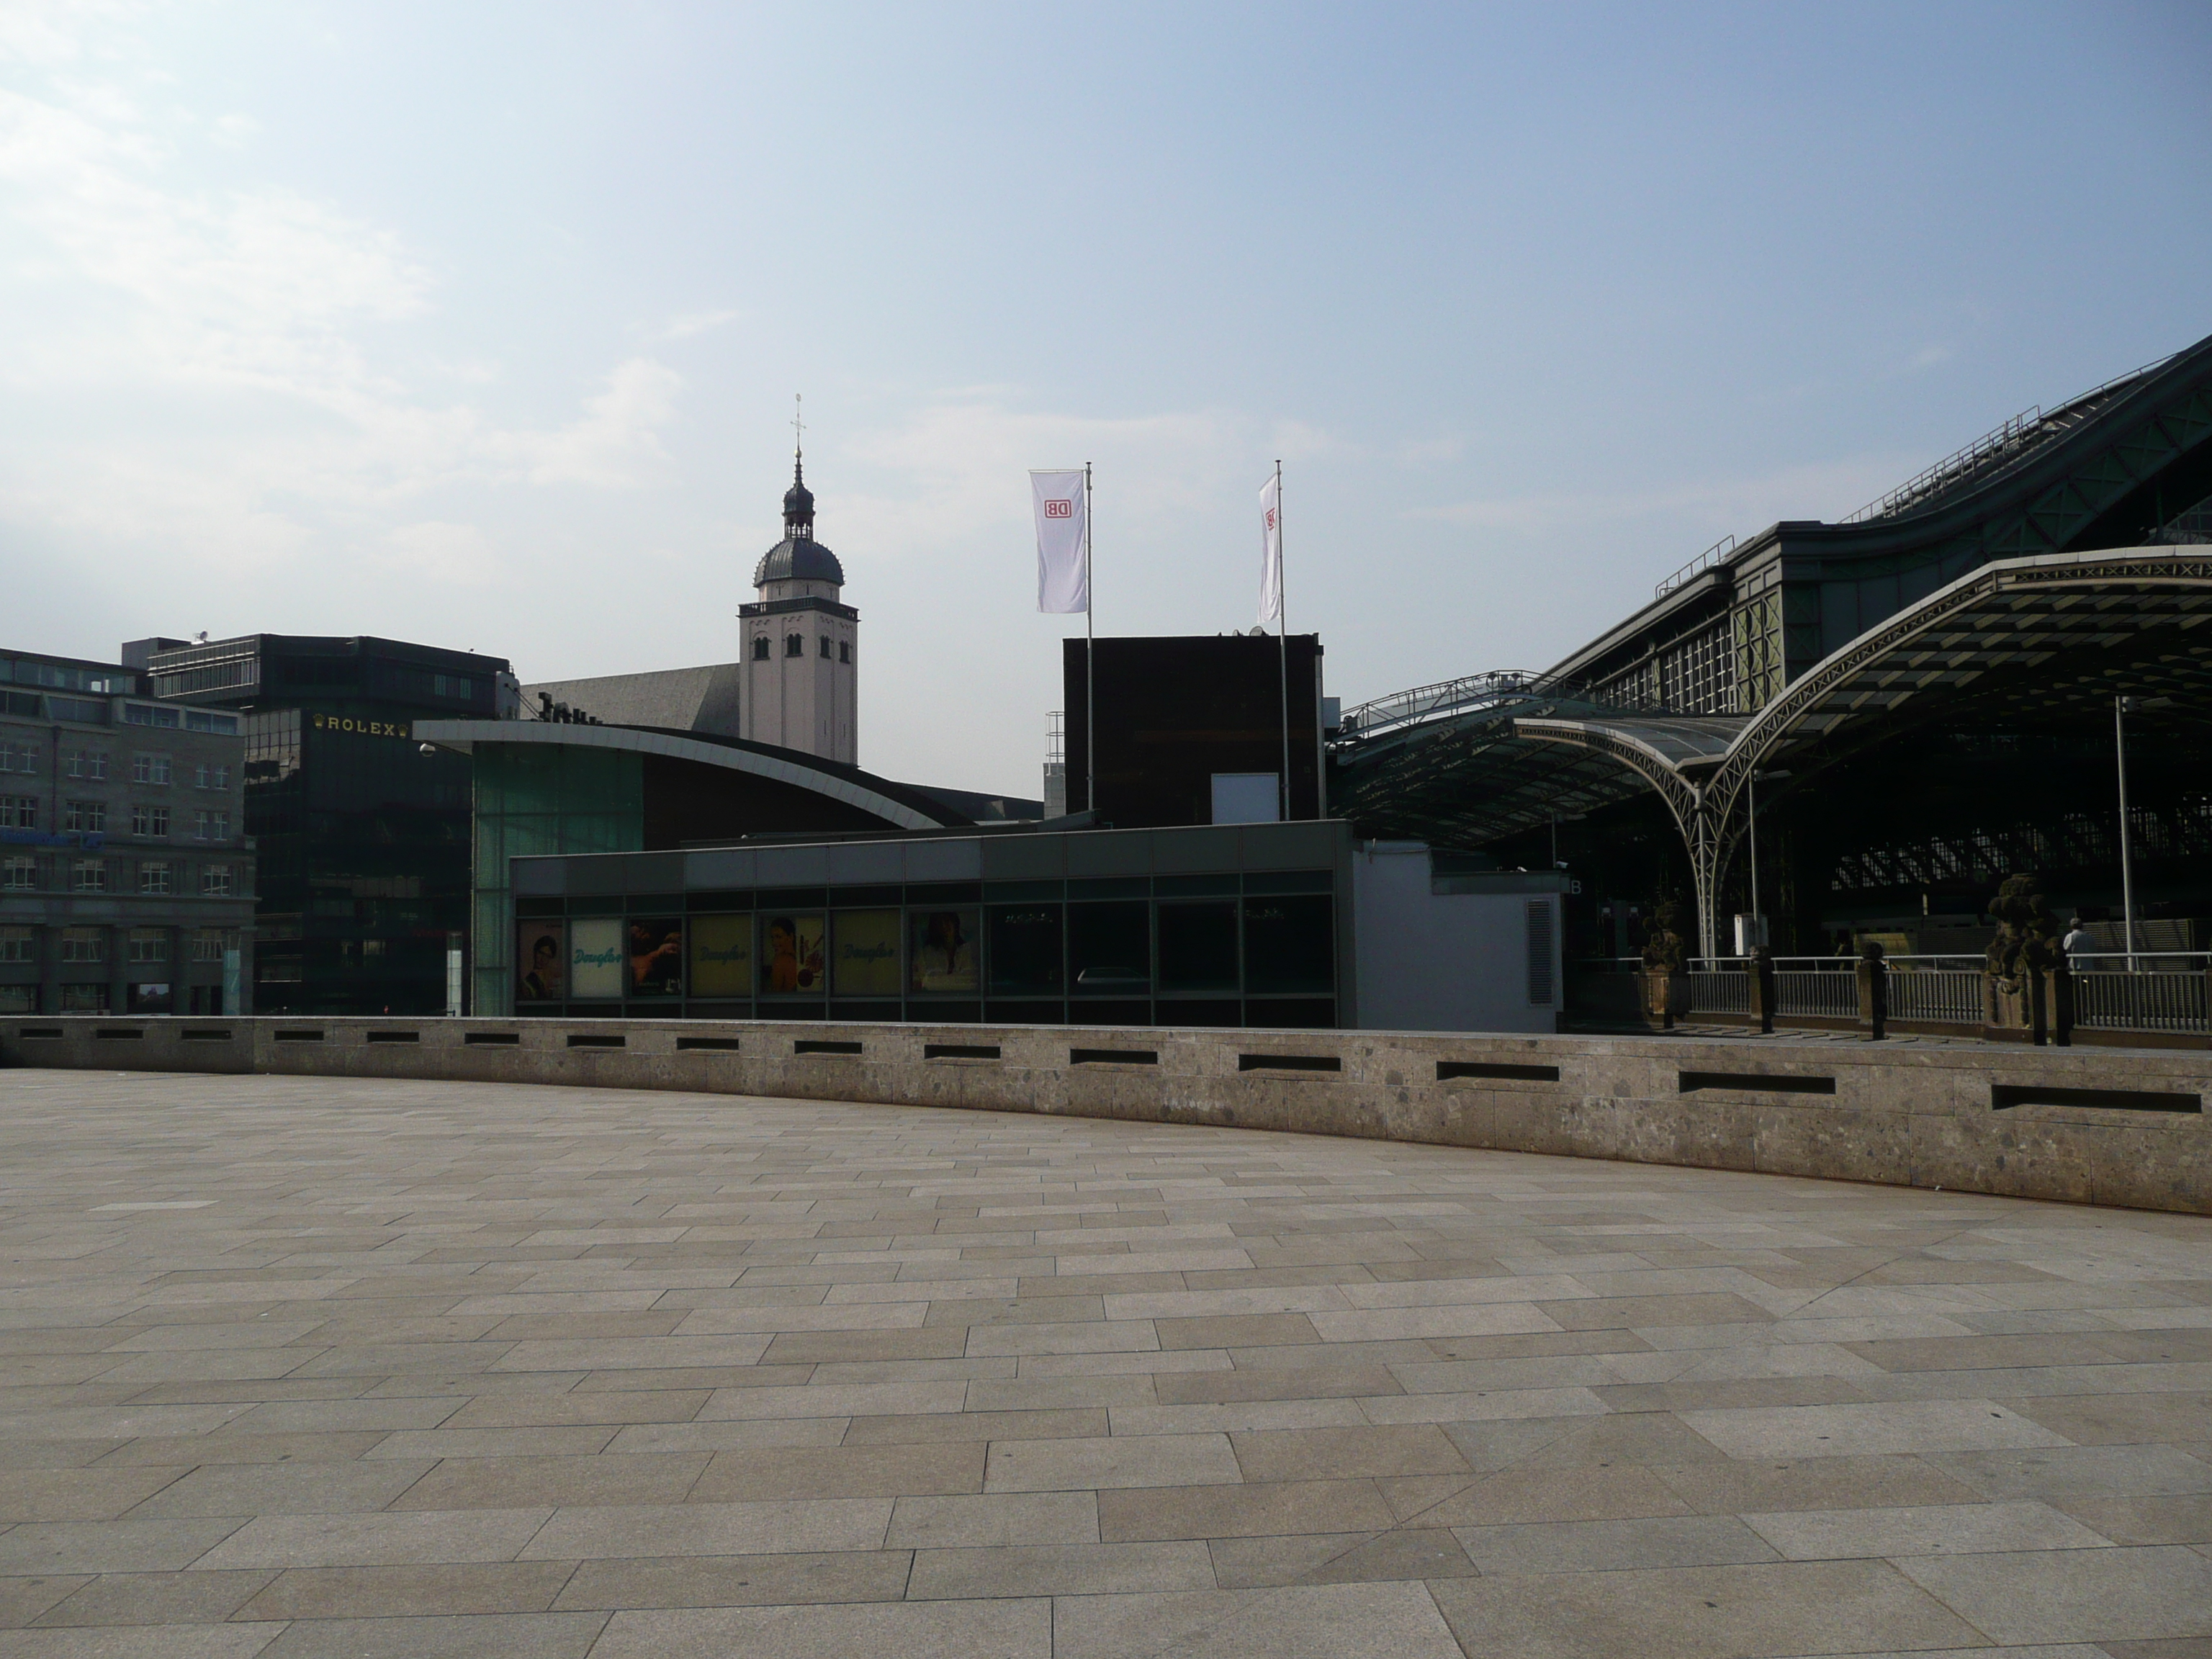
{"x": 2100, "y": 1126}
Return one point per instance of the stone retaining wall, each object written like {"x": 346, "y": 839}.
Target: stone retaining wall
{"x": 2098, "y": 1126}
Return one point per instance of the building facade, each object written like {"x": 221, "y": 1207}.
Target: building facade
{"x": 362, "y": 837}
{"x": 801, "y": 643}
{"x": 127, "y": 877}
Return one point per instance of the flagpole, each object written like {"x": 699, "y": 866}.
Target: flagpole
{"x": 1090, "y": 655}
{"x": 1283, "y": 638}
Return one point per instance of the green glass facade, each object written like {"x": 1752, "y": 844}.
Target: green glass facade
{"x": 536, "y": 799}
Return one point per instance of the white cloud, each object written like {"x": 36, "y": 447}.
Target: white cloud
{"x": 695, "y": 322}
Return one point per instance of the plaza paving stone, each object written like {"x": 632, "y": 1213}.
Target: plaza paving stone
{"x": 317, "y": 1367}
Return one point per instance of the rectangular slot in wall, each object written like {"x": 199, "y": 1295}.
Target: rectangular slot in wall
{"x": 492, "y": 1040}
{"x": 206, "y": 1034}
{"x": 1449, "y": 1069}
{"x": 1113, "y": 1057}
{"x": 108, "y": 1033}
{"x": 395, "y": 1037}
{"x": 597, "y": 1040}
{"x": 1772, "y": 1083}
{"x": 1289, "y": 1063}
{"x": 298, "y": 1036}
{"x": 960, "y": 1051}
{"x": 720, "y": 1045}
{"x": 2004, "y": 1096}
{"x": 823, "y": 1045}
{"x": 41, "y": 1034}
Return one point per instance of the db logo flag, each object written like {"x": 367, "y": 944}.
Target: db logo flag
{"x": 1271, "y": 551}
{"x": 1063, "y": 541}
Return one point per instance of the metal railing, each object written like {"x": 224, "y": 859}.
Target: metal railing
{"x": 1715, "y": 555}
{"x": 1953, "y": 996}
{"x": 2140, "y": 1002}
{"x": 1423, "y": 703}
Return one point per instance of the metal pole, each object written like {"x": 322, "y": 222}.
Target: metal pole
{"x": 1282, "y": 639}
{"x": 1750, "y": 795}
{"x": 2127, "y": 861}
{"x": 1090, "y": 658}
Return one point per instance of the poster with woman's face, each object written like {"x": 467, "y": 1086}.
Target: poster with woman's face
{"x": 941, "y": 953}
{"x": 792, "y": 957}
{"x": 537, "y": 962}
{"x": 656, "y": 957}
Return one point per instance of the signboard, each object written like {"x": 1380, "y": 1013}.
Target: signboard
{"x": 792, "y": 957}
{"x": 942, "y": 951}
{"x": 537, "y": 962}
{"x": 596, "y": 967}
{"x": 866, "y": 953}
{"x": 722, "y": 955}
{"x": 656, "y": 957}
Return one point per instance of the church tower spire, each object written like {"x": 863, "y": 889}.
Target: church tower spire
{"x": 799, "y": 500}
{"x": 801, "y": 638}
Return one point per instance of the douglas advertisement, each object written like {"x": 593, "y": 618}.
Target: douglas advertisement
{"x": 596, "y": 968}
{"x": 537, "y": 962}
{"x": 722, "y": 955}
{"x": 791, "y": 956}
{"x": 656, "y": 957}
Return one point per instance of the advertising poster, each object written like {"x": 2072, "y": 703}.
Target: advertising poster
{"x": 722, "y": 955}
{"x": 656, "y": 956}
{"x": 943, "y": 952}
{"x": 792, "y": 957}
{"x": 865, "y": 946}
{"x": 538, "y": 965}
{"x": 595, "y": 958}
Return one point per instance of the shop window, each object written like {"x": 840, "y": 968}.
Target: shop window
{"x": 942, "y": 951}
{"x": 760, "y": 647}
{"x": 1197, "y": 946}
{"x": 19, "y": 999}
{"x": 1290, "y": 944}
{"x": 1024, "y": 950}
{"x": 864, "y": 958}
{"x": 794, "y": 955}
{"x": 84, "y": 999}
{"x": 153, "y": 877}
{"x": 1109, "y": 949}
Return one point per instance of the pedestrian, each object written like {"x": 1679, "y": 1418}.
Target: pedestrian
{"x": 2078, "y": 944}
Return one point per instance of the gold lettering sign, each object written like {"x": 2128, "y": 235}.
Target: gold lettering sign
{"x": 366, "y": 728}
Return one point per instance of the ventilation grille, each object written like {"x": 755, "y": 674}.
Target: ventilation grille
{"x": 1540, "y": 953}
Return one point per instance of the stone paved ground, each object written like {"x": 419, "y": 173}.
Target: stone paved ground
{"x": 321, "y": 1368}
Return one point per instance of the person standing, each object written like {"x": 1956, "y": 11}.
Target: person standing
{"x": 2078, "y": 944}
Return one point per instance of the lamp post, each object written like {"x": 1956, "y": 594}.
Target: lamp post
{"x": 1750, "y": 795}
{"x": 2122, "y": 707}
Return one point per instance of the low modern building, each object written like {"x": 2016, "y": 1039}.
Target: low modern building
{"x": 126, "y": 878}
{"x": 363, "y": 838}
{"x": 1263, "y": 924}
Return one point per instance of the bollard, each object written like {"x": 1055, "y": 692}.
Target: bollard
{"x": 1762, "y": 989}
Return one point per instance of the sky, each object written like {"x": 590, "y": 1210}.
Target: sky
{"x": 479, "y": 323}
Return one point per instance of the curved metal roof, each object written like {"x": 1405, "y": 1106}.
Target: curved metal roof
{"x": 798, "y": 558}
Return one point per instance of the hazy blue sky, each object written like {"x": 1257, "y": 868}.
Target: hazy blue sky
{"x": 479, "y": 323}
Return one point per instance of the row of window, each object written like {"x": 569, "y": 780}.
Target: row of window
{"x": 146, "y": 767}
{"x": 19, "y": 946}
{"x": 90, "y": 817}
{"x": 153, "y": 877}
{"x": 795, "y": 645}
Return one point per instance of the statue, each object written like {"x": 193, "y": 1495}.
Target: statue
{"x": 1663, "y": 951}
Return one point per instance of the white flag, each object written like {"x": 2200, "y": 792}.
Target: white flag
{"x": 1271, "y": 550}
{"x": 1063, "y": 551}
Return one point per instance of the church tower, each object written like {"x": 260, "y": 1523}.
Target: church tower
{"x": 800, "y": 640}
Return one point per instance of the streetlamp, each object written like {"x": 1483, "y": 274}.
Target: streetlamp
{"x": 1751, "y": 795}
{"x": 2122, "y": 707}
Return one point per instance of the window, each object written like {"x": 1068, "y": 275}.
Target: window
{"x": 453, "y": 685}
{"x": 198, "y": 719}
{"x": 149, "y": 820}
{"x": 85, "y": 762}
{"x": 221, "y": 777}
{"x": 149, "y": 944}
{"x": 149, "y": 768}
{"x": 16, "y": 945}
{"x": 844, "y": 651}
{"x": 88, "y": 875}
{"x": 760, "y": 647}
{"x": 84, "y": 816}
{"x": 19, "y": 875}
{"x": 207, "y": 945}
{"x": 19, "y": 757}
{"x": 795, "y": 645}
{"x": 19, "y": 811}
{"x": 221, "y": 826}
{"x": 215, "y": 881}
{"x": 138, "y": 714}
{"x": 199, "y": 826}
{"x": 154, "y": 876}
{"x": 84, "y": 944}
{"x": 825, "y": 647}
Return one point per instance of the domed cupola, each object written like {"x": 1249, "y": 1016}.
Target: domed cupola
{"x": 798, "y": 557}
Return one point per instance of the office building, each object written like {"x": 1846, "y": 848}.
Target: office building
{"x": 126, "y": 878}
